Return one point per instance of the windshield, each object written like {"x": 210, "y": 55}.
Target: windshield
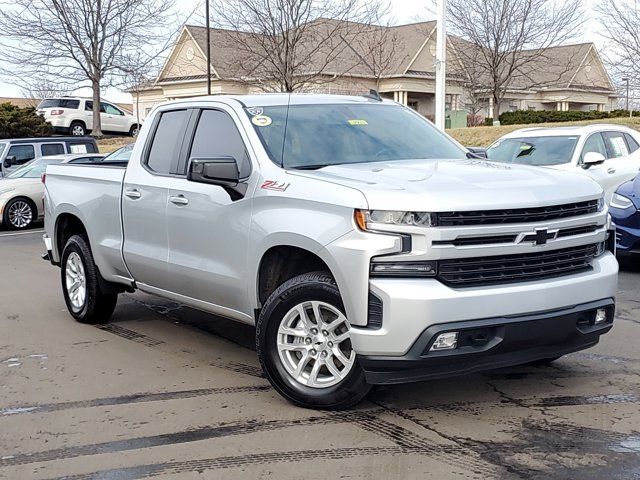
{"x": 121, "y": 155}
{"x": 315, "y": 136}
{"x": 540, "y": 151}
{"x": 33, "y": 169}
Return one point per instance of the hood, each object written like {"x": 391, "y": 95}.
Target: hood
{"x": 631, "y": 190}
{"x": 448, "y": 185}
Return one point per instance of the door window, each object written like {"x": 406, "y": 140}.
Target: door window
{"x": 167, "y": 141}
{"x": 52, "y": 149}
{"x": 616, "y": 144}
{"x": 218, "y": 136}
{"x": 89, "y": 106}
{"x": 632, "y": 143}
{"x": 23, "y": 153}
{"x": 110, "y": 109}
{"x": 595, "y": 143}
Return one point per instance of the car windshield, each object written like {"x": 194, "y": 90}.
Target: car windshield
{"x": 315, "y": 136}
{"x": 34, "y": 169}
{"x": 540, "y": 151}
{"x": 121, "y": 155}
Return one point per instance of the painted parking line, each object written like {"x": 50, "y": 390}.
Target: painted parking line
{"x": 15, "y": 234}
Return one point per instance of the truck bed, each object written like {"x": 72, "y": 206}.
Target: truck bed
{"x": 91, "y": 192}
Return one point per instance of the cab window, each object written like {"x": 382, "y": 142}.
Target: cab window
{"x": 48, "y": 149}
{"x": 632, "y": 143}
{"x": 23, "y": 153}
{"x": 616, "y": 144}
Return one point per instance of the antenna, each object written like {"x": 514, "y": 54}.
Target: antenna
{"x": 374, "y": 95}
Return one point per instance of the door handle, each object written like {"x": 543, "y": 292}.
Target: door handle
{"x": 611, "y": 171}
{"x": 133, "y": 194}
{"x": 179, "y": 200}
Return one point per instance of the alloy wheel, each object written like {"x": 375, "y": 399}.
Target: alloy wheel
{"x": 314, "y": 345}
{"x": 20, "y": 214}
{"x": 75, "y": 280}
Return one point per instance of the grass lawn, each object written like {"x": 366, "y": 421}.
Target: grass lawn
{"x": 485, "y": 136}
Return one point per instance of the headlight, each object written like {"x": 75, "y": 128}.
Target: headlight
{"x": 404, "y": 269}
{"x": 621, "y": 202}
{"x": 369, "y": 219}
{"x": 601, "y": 203}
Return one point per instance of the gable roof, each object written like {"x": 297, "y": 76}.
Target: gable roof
{"x": 403, "y": 45}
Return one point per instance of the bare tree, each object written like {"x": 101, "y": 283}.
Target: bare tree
{"x": 509, "y": 41}
{"x": 620, "y": 20}
{"x": 289, "y": 45}
{"x": 38, "y": 88}
{"x": 75, "y": 43}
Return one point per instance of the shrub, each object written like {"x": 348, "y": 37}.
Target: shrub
{"x": 488, "y": 121}
{"x": 475, "y": 120}
{"x": 18, "y": 122}
{"x": 523, "y": 117}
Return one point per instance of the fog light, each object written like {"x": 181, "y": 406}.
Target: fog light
{"x": 601, "y": 316}
{"x": 445, "y": 341}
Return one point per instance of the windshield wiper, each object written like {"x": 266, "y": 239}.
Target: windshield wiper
{"x": 310, "y": 167}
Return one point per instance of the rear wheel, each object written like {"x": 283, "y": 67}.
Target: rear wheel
{"x": 77, "y": 129}
{"x": 135, "y": 129}
{"x": 19, "y": 214}
{"x": 304, "y": 345}
{"x": 85, "y": 300}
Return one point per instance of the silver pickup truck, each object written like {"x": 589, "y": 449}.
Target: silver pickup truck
{"x": 365, "y": 245}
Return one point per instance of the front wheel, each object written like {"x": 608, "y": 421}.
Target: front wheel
{"x": 19, "y": 214}
{"x": 85, "y": 300}
{"x": 304, "y": 345}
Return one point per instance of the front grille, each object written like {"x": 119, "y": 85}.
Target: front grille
{"x": 519, "y": 215}
{"x": 504, "y": 269}
{"x": 570, "y": 232}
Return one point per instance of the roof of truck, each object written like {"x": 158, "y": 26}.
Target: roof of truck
{"x": 48, "y": 139}
{"x": 275, "y": 99}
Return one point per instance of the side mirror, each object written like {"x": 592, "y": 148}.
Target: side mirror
{"x": 592, "y": 158}
{"x": 10, "y": 161}
{"x": 477, "y": 152}
{"x": 222, "y": 171}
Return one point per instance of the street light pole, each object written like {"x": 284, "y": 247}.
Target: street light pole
{"x": 208, "y": 26}
{"x": 626, "y": 80}
{"x": 441, "y": 63}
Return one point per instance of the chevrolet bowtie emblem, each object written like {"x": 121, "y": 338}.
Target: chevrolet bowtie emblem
{"x": 540, "y": 237}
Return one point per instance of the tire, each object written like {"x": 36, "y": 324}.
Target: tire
{"x": 94, "y": 307}
{"x": 19, "y": 213}
{"x": 544, "y": 362}
{"x": 134, "y": 130}
{"x": 339, "y": 388}
{"x": 77, "y": 129}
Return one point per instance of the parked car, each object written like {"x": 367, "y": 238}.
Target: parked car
{"x": 362, "y": 242}
{"x": 121, "y": 155}
{"x": 606, "y": 153}
{"x": 625, "y": 211}
{"x": 21, "y": 192}
{"x": 18, "y": 151}
{"x": 74, "y": 116}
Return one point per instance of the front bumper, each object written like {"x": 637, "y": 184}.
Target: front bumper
{"x": 493, "y": 343}
{"x": 410, "y": 306}
{"x": 627, "y": 240}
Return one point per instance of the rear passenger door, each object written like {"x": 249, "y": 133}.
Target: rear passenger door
{"x": 209, "y": 226}
{"x": 144, "y": 201}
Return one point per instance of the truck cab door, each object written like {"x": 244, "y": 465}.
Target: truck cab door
{"x": 208, "y": 226}
{"x": 144, "y": 200}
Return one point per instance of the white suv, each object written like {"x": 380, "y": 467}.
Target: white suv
{"x": 74, "y": 115}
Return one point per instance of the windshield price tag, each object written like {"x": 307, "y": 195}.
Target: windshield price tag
{"x": 357, "y": 123}
{"x": 261, "y": 121}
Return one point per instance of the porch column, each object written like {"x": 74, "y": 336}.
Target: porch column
{"x": 559, "y": 106}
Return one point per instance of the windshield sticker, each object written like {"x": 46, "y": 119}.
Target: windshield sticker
{"x": 261, "y": 121}
{"x": 80, "y": 148}
{"x": 253, "y": 111}
{"x": 356, "y": 123}
{"x": 275, "y": 186}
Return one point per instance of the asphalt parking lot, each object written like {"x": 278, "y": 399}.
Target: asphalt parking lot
{"x": 166, "y": 391}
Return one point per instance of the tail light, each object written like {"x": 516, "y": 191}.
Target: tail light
{"x": 57, "y": 112}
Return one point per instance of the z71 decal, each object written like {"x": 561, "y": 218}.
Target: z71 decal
{"x": 275, "y": 186}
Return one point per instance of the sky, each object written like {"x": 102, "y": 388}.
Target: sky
{"x": 403, "y": 11}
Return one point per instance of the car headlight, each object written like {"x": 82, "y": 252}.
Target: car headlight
{"x": 601, "y": 203}
{"x": 621, "y": 202}
{"x": 368, "y": 220}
